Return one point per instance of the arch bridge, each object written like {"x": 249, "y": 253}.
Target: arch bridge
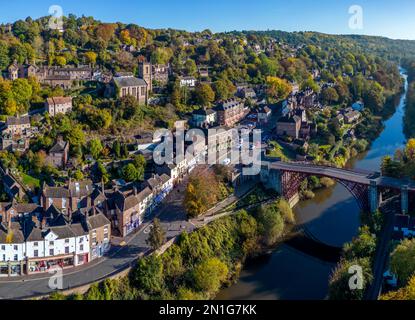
{"x": 365, "y": 186}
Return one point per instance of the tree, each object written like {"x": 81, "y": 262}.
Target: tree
{"x": 329, "y": 95}
{"x": 149, "y": 274}
{"x": 106, "y": 31}
{"x": 271, "y": 224}
{"x": 190, "y": 67}
{"x": 157, "y": 236}
{"x": 130, "y": 173}
{"x": 224, "y": 89}
{"x": 60, "y": 61}
{"x": 204, "y": 94}
{"x": 201, "y": 194}
{"x": 4, "y": 55}
{"x": 209, "y": 275}
{"x": 403, "y": 261}
{"x": 22, "y": 92}
{"x": 277, "y": 88}
{"x": 95, "y": 148}
{"x": 116, "y": 149}
{"x": 364, "y": 245}
{"x": 91, "y": 57}
{"x": 406, "y": 293}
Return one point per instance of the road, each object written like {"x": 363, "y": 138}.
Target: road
{"x": 173, "y": 220}
{"x": 382, "y": 252}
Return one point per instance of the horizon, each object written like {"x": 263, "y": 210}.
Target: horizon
{"x": 264, "y": 15}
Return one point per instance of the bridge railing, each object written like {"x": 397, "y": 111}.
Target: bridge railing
{"x": 328, "y": 166}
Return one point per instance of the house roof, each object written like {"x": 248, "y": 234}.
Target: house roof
{"x": 16, "y": 234}
{"x": 17, "y": 121}
{"x": 129, "y": 82}
{"x": 59, "y": 147}
{"x": 98, "y": 221}
{"x": 59, "y": 100}
{"x": 56, "y": 192}
{"x": 63, "y": 232}
{"x": 8, "y": 181}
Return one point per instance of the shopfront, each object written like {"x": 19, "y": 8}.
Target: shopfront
{"x": 45, "y": 264}
{"x": 11, "y": 269}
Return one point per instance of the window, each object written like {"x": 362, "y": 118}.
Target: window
{"x": 51, "y": 252}
{"x": 15, "y": 248}
{"x": 3, "y": 247}
{"x": 36, "y": 244}
{"x": 36, "y": 253}
{"x": 51, "y": 243}
{"x": 143, "y": 92}
{"x": 66, "y": 240}
{"x": 4, "y": 257}
{"x": 81, "y": 247}
{"x": 66, "y": 250}
{"x": 16, "y": 258}
{"x": 81, "y": 239}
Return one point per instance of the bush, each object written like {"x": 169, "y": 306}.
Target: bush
{"x": 286, "y": 211}
{"x": 327, "y": 182}
{"x": 308, "y": 194}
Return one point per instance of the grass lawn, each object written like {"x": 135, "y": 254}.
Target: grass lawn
{"x": 280, "y": 152}
{"x": 30, "y": 181}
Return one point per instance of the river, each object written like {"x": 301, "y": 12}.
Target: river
{"x": 332, "y": 217}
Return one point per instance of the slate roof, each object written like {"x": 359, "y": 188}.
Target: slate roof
{"x": 16, "y": 231}
{"x": 98, "y": 221}
{"x": 129, "y": 82}
{"x": 8, "y": 180}
{"x": 17, "y": 120}
{"x": 55, "y": 192}
{"x": 59, "y": 100}
{"x": 59, "y": 147}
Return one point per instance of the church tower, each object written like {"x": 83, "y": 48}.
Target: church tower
{"x": 144, "y": 72}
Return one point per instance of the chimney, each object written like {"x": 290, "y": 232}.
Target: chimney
{"x": 43, "y": 223}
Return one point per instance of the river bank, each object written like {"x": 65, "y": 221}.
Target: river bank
{"x": 332, "y": 217}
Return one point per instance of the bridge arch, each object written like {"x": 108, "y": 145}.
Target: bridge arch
{"x": 291, "y": 182}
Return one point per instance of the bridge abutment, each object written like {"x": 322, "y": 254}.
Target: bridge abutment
{"x": 373, "y": 196}
{"x": 405, "y": 199}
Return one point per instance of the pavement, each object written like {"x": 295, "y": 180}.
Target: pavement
{"x": 173, "y": 220}
{"x": 122, "y": 255}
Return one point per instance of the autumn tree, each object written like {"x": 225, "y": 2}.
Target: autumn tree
{"x": 201, "y": 194}
{"x": 204, "y": 94}
{"x": 277, "y": 88}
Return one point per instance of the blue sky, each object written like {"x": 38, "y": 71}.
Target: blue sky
{"x": 391, "y": 18}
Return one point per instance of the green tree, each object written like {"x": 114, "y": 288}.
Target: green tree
{"x": 149, "y": 274}
{"x": 157, "y": 235}
{"x": 95, "y": 148}
{"x": 209, "y": 275}
{"x": 271, "y": 223}
{"x": 403, "y": 261}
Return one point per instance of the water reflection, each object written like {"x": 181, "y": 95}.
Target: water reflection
{"x": 332, "y": 217}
